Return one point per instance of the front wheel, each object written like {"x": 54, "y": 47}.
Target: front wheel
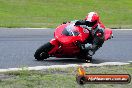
{"x": 42, "y": 52}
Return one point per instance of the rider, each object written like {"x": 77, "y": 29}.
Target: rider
{"x": 96, "y": 28}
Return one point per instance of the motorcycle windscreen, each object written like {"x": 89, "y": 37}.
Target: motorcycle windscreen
{"x": 70, "y": 32}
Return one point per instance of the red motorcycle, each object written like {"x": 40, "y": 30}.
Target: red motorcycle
{"x": 67, "y": 41}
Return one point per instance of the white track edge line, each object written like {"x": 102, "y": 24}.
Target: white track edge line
{"x": 64, "y": 66}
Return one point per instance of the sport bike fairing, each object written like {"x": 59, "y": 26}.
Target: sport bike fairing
{"x": 68, "y": 33}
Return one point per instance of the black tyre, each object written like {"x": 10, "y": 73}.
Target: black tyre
{"x": 42, "y": 52}
{"x": 88, "y": 59}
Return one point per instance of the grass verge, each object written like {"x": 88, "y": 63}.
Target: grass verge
{"x": 61, "y": 78}
{"x": 50, "y": 13}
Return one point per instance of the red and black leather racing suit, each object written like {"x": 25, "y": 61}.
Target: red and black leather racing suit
{"x": 96, "y": 36}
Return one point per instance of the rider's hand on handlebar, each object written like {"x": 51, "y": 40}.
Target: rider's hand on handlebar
{"x": 77, "y": 23}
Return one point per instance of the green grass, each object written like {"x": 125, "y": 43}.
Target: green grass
{"x": 50, "y": 13}
{"x": 62, "y": 78}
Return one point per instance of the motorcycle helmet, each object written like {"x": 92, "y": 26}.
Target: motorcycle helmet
{"x": 92, "y": 19}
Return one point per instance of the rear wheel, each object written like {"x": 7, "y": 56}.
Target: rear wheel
{"x": 42, "y": 52}
{"x": 88, "y": 59}
{"x": 85, "y": 58}
{"x": 111, "y": 36}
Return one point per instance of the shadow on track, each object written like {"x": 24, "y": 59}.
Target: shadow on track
{"x": 72, "y": 61}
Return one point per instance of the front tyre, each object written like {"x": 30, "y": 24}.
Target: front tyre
{"x": 42, "y": 52}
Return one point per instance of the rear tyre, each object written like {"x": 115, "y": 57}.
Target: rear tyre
{"x": 111, "y": 36}
{"x": 88, "y": 59}
{"x": 85, "y": 56}
{"x": 42, "y": 52}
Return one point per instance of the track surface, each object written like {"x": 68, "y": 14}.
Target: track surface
{"x": 17, "y": 47}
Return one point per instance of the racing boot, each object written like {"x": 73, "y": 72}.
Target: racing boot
{"x": 91, "y": 51}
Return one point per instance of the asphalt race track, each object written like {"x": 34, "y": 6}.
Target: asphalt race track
{"x": 17, "y": 47}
